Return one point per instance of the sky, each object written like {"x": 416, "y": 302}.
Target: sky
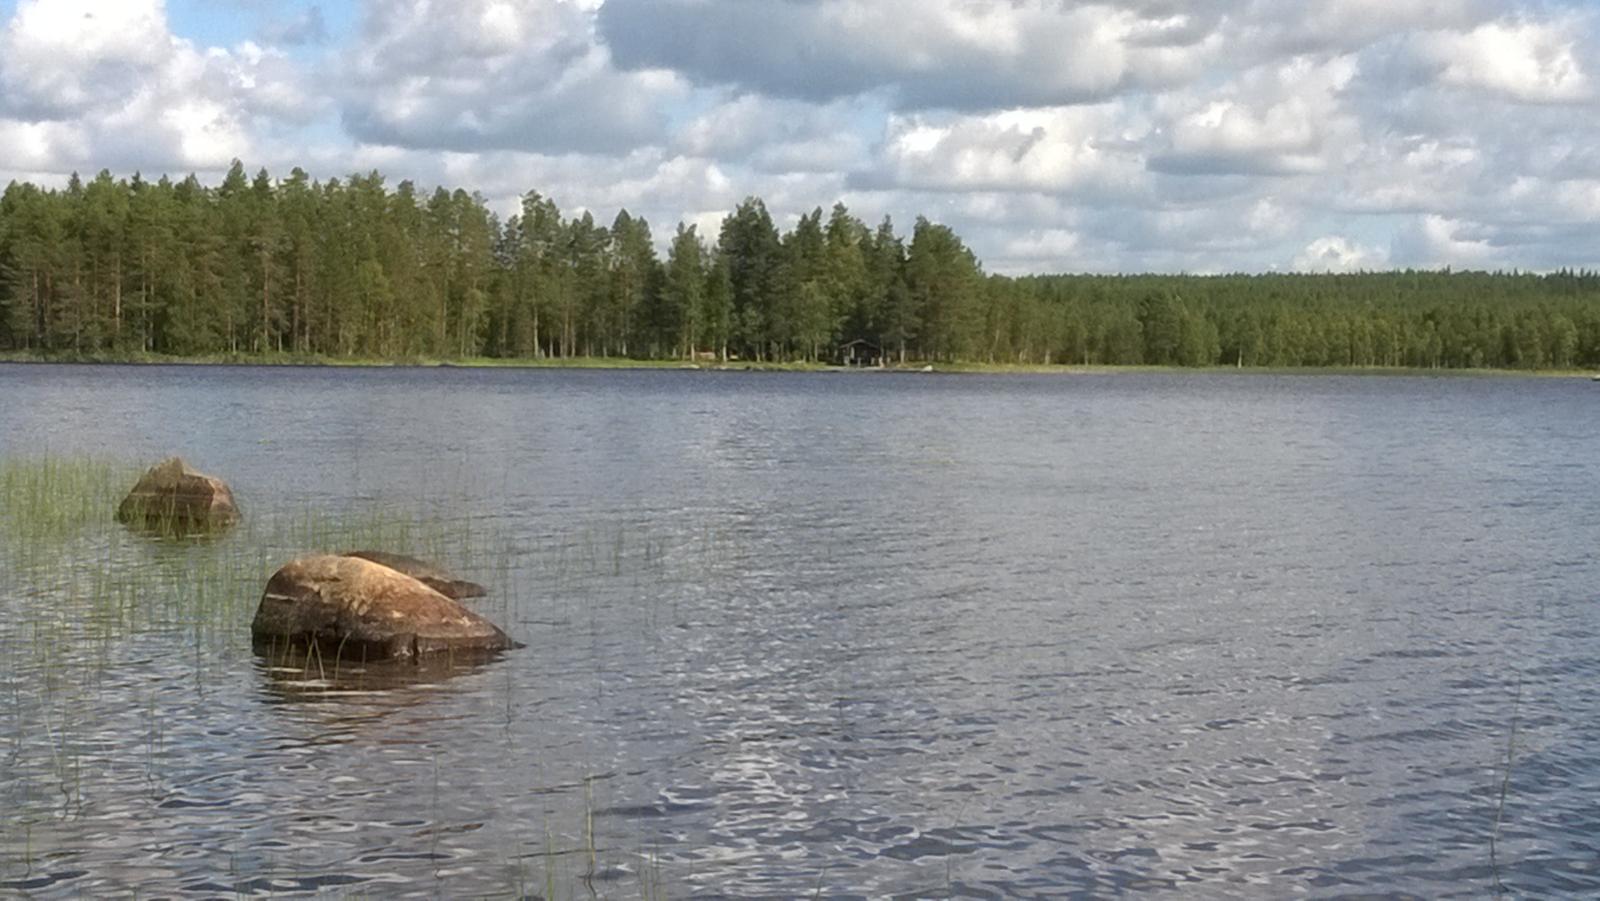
{"x": 1053, "y": 135}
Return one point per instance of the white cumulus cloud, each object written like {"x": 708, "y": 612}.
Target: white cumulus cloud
{"x": 471, "y": 75}
{"x": 1089, "y": 149}
{"x": 90, "y": 84}
{"x": 62, "y": 58}
{"x": 920, "y": 53}
{"x": 1052, "y": 134}
{"x": 1336, "y": 253}
{"x": 1537, "y": 62}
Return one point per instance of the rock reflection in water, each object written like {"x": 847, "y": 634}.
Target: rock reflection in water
{"x": 302, "y": 672}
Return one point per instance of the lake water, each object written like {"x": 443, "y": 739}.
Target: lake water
{"x": 831, "y": 635}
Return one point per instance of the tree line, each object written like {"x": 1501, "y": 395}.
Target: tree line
{"x": 353, "y": 268}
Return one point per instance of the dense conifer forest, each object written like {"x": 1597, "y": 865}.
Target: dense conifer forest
{"x": 352, "y": 268}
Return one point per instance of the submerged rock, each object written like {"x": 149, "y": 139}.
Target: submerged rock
{"x": 354, "y": 609}
{"x": 172, "y": 497}
{"x": 432, "y": 576}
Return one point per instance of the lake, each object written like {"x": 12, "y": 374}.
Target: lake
{"x": 831, "y": 635}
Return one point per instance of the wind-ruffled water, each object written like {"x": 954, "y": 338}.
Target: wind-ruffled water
{"x": 827, "y": 635}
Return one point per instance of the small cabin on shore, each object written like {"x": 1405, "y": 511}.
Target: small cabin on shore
{"x": 860, "y": 353}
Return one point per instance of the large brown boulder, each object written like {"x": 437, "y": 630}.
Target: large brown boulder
{"x": 432, "y": 576}
{"x": 353, "y": 609}
{"x": 172, "y": 497}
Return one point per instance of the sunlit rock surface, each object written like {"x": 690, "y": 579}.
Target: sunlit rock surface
{"x": 171, "y": 497}
{"x": 354, "y": 609}
{"x": 428, "y": 574}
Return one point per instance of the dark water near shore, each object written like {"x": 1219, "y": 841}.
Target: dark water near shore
{"x": 835, "y": 635}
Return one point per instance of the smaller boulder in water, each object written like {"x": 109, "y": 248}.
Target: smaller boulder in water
{"x": 432, "y": 576}
{"x": 171, "y": 497}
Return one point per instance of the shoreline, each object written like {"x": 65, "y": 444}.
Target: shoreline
{"x": 623, "y": 364}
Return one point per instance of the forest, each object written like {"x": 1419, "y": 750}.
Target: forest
{"x": 301, "y": 268}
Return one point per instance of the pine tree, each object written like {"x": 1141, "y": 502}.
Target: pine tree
{"x": 683, "y": 293}
{"x": 890, "y": 311}
{"x": 752, "y": 246}
{"x": 633, "y": 266}
{"x": 944, "y": 280}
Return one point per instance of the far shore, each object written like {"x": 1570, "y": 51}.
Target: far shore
{"x": 623, "y": 363}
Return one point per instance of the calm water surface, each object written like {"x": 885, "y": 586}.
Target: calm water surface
{"x": 843, "y": 635}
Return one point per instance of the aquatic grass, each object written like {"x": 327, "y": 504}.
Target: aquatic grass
{"x": 83, "y": 597}
{"x": 76, "y": 587}
{"x": 70, "y": 567}
{"x": 1497, "y": 886}
{"x": 73, "y": 582}
{"x": 55, "y": 498}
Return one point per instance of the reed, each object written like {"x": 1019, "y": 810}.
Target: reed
{"x": 78, "y": 591}
{"x": 76, "y": 587}
{"x": 55, "y": 498}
